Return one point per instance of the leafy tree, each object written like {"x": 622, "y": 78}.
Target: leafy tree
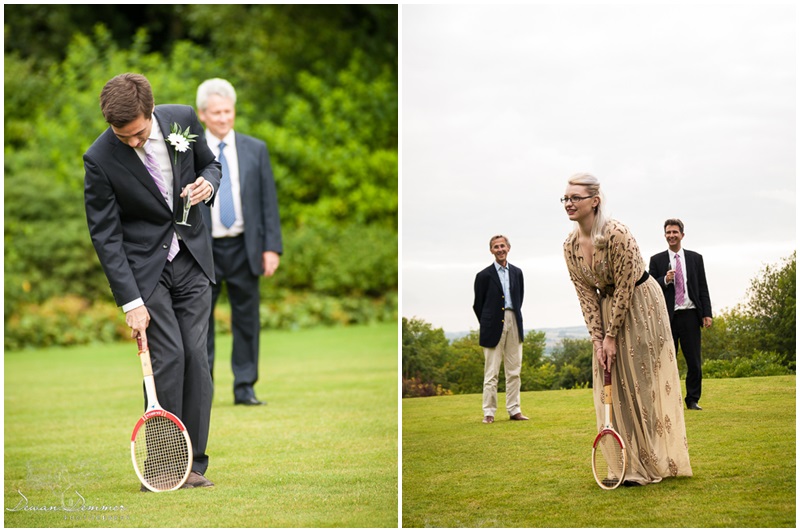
{"x": 572, "y": 358}
{"x": 733, "y": 335}
{"x": 425, "y": 350}
{"x": 282, "y": 40}
{"x": 533, "y": 346}
{"x": 464, "y": 367}
{"x": 772, "y": 304}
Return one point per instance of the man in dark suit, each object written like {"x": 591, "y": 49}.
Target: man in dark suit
{"x": 682, "y": 277}
{"x": 499, "y": 290}
{"x": 245, "y": 227}
{"x": 159, "y": 272}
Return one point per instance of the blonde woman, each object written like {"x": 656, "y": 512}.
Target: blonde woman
{"x": 627, "y": 318}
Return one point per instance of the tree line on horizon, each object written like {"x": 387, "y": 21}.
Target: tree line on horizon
{"x": 755, "y": 338}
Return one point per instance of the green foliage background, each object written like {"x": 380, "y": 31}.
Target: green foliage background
{"x": 317, "y": 83}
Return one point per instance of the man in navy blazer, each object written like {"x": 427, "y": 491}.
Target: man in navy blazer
{"x": 499, "y": 290}
{"x": 246, "y": 231}
{"x": 689, "y": 313}
{"x": 160, "y": 272}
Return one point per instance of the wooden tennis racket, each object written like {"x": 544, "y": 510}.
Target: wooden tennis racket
{"x": 609, "y": 458}
{"x": 160, "y": 446}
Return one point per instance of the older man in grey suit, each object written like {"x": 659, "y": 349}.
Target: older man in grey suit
{"x": 245, "y": 227}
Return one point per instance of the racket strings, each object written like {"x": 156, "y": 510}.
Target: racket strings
{"x": 609, "y": 461}
{"x": 162, "y": 453}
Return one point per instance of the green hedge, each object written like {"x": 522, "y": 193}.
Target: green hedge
{"x": 333, "y": 144}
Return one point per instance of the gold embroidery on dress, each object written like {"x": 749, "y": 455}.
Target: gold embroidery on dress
{"x": 673, "y": 467}
{"x": 644, "y": 456}
{"x": 659, "y": 428}
{"x": 668, "y": 424}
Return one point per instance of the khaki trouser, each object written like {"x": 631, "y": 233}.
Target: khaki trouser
{"x": 509, "y": 352}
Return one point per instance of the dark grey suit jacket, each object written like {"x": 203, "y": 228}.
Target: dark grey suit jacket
{"x": 130, "y": 223}
{"x": 262, "y": 224}
{"x": 489, "y": 305}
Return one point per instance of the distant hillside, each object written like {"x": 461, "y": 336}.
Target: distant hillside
{"x": 552, "y": 335}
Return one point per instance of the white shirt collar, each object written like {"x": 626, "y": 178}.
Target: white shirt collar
{"x": 155, "y": 131}
{"x": 229, "y": 140}
{"x": 680, "y": 253}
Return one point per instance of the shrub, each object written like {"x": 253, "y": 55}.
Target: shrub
{"x": 67, "y": 320}
{"x": 759, "y": 364}
{"x": 414, "y": 387}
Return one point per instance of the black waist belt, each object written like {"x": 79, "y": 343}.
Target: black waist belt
{"x": 608, "y": 290}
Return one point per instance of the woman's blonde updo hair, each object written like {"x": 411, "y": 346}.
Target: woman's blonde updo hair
{"x": 592, "y": 185}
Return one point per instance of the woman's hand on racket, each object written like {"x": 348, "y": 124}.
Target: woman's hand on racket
{"x": 138, "y": 320}
{"x": 599, "y": 354}
{"x": 609, "y": 352}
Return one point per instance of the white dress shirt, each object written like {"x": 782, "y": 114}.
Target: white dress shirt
{"x": 503, "y": 272}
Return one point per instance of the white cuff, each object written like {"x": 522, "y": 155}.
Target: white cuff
{"x": 136, "y": 303}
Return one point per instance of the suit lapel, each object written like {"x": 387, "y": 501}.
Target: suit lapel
{"x": 495, "y": 275}
{"x": 163, "y": 120}
{"x": 242, "y": 162}
{"x": 127, "y": 157}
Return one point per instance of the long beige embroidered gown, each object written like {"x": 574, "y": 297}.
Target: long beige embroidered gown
{"x": 647, "y": 409}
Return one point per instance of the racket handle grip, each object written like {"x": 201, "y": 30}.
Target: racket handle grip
{"x": 606, "y": 375}
{"x": 139, "y": 341}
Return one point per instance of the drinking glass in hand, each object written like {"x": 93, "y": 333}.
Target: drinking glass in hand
{"x": 187, "y": 204}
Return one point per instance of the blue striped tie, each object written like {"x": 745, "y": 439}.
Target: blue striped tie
{"x": 227, "y": 214}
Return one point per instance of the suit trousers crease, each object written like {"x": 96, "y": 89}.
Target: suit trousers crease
{"x": 508, "y": 352}
{"x": 179, "y": 308}
{"x": 230, "y": 262}
{"x": 686, "y": 331}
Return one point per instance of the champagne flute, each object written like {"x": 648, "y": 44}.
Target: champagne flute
{"x": 187, "y": 204}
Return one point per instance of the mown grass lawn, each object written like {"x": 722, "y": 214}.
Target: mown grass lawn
{"x": 458, "y": 472}
{"x": 322, "y": 453}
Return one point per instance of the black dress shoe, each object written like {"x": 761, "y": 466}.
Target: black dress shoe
{"x": 249, "y": 402}
{"x": 693, "y": 406}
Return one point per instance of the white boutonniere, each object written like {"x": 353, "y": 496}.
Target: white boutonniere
{"x": 180, "y": 139}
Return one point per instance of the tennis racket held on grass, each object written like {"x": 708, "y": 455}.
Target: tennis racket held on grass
{"x": 609, "y": 457}
{"x": 160, "y": 446}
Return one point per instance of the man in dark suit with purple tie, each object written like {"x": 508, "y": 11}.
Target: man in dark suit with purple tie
{"x": 160, "y": 272}
{"x": 245, "y": 227}
{"x": 682, "y": 277}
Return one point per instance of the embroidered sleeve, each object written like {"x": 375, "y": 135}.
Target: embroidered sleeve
{"x": 627, "y": 267}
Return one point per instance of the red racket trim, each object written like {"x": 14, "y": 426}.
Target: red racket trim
{"x": 612, "y": 433}
{"x": 155, "y": 413}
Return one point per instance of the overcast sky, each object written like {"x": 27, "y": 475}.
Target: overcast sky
{"x": 680, "y": 111}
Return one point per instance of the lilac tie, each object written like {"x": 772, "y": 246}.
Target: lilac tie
{"x": 680, "y": 285}
{"x": 155, "y": 172}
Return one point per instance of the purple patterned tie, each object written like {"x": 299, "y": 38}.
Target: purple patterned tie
{"x": 155, "y": 172}
{"x": 680, "y": 284}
